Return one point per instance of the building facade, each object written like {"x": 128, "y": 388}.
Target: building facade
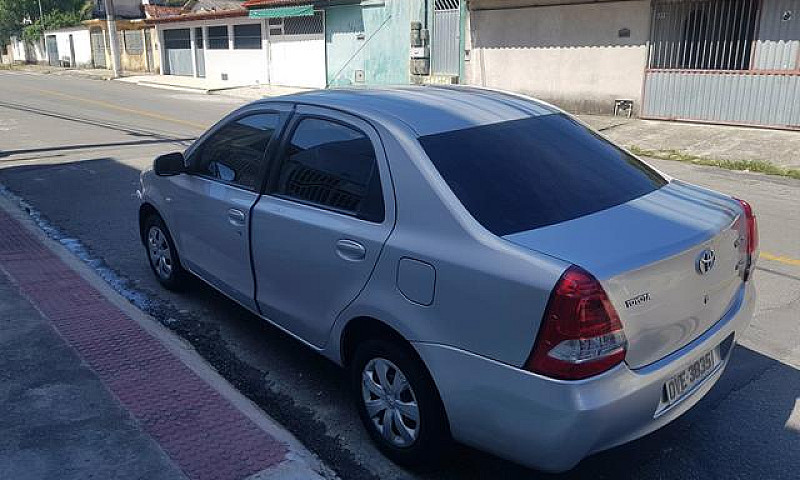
{"x": 720, "y": 61}
{"x": 310, "y": 43}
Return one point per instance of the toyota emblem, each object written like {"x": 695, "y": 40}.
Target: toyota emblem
{"x": 705, "y": 261}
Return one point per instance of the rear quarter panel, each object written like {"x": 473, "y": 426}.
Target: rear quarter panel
{"x": 489, "y": 295}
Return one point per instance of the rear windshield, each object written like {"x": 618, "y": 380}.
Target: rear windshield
{"x": 524, "y": 174}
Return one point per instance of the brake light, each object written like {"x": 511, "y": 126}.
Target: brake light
{"x": 581, "y": 334}
{"x": 752, "y": 227}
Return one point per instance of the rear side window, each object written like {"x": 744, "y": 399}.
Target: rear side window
{"x": 524, "y": 174}
{"x": 332, "y": 166}
{"x": 235, "y": 152}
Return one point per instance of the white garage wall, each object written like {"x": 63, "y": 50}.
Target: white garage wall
{"x": 83, "y": 47}
{"x": 570, "y": 55}
{"x": 243, "y": 67}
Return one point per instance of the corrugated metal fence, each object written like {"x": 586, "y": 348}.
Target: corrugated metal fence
{"x": 725, "y": 61}
{"x": 445, "y": 58}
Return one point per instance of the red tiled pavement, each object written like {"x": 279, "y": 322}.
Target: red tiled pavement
{"x": 200, "y": 430}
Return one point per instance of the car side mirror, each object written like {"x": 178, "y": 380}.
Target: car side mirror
{"x": 169, "y": 164}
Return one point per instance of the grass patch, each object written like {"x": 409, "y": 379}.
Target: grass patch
{"x": 760, "y": 166}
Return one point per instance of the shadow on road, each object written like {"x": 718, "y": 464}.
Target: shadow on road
{"x": 88, "y": 121}
{"x": 64, "y": 148}
{"x": 740, "y": 430}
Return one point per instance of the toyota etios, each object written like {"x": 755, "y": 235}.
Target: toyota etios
{"x": 487, "y": 268}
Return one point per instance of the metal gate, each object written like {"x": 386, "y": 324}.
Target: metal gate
{"x": 725, "y": 61}
{"x": 446, "y": 45}
{"x": 297, "y": 51}
{"x": 178, "y": 52}
{"x": 98, "y": 42}
{"x": 51, "y": 44}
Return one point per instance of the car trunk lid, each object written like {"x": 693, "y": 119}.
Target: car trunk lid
{"x": 646, "y": 252}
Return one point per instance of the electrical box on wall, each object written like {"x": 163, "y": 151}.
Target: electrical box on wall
{"x": 420, "y": 51}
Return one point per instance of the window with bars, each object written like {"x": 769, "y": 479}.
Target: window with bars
{"x": 703, "y": 35}
{"x": 247, "y": 37}
{"x": 218, "y": 38}
{"x": 134, "y": 43}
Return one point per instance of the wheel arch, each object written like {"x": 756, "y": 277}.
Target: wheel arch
{"x": 365, "y": 327}
{"x": 145, "y": 210}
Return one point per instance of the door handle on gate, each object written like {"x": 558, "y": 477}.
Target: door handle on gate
{"x": 236, "y": 217}
{"x": 351, "y": 250}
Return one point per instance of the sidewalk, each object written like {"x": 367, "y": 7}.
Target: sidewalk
{"x": 92, "y": 389}
{"x": 720, "y": 142}
{"x": 244, "y": 91}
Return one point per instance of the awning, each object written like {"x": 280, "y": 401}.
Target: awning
{"x": 294, "y": 11}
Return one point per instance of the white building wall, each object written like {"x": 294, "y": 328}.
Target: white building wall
{"x": 570, "y": 55}
{"x": 243, "y": 67}
{"x": 24, "y": 52}
{"x": 82, "y": 43}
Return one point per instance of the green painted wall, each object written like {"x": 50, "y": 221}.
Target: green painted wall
{"x": 383, "y": 53}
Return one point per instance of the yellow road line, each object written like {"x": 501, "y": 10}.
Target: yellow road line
{"x": 112, "y": 106}
{"x": 780, "y": 259}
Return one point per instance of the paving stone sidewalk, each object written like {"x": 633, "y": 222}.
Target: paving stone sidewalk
{"x": 87, "y": 392}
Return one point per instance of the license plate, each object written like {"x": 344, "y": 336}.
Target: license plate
{"x": 682, "y": 383}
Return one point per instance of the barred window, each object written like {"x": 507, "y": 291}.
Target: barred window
{"x": 218, "y": 38}
{"x": 247, "y": 37}
{"x": 134, "y": 44}
{"x": 703, "y": 35}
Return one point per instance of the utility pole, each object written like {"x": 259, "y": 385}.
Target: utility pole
{"x": 44, "y": 40}
{"x": 112, "y": 38}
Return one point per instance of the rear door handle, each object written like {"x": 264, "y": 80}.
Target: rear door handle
{"x": 236, "y": 217}
{"x": 351, "y": 250}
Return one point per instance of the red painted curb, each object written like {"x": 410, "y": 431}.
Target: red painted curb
{"x": 206, "y": 436}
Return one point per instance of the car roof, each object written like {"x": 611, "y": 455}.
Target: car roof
{"x": 427, "y": 110}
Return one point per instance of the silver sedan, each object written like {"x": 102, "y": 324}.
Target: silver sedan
{"x": 490, "y": 270}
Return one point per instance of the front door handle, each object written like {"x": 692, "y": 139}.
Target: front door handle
{"x": 236, "y": 217}
{"x": 351, "y": 250}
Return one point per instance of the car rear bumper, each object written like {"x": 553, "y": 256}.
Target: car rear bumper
{"x": 552, "y": 424}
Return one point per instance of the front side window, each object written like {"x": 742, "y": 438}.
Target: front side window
{"x": 332, "y": 166}
{"x": 235, "y": 153}
{"x": 524, "y": 174}
{"x": 247, "y": 37}
{"x": 218, "y": 38}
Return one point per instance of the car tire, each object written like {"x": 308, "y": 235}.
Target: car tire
{"x": 162, "y": 255}
{"x": 427, "y": 440}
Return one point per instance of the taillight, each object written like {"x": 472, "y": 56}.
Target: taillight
{"x": 751, "y": 230}
{"x": 581, "y": 334}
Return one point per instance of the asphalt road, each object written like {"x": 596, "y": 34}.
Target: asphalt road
{"x": 73, "y": 149}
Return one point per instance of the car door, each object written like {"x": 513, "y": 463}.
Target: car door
{"x": 320, "y": 227}
{"x": 212, "y": 203}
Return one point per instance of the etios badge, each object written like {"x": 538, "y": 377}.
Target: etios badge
{"x": 705, "y": 261}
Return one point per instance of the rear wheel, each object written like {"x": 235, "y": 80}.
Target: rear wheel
{"x": 399, "y": 404}
{"x": 161, "y": 253}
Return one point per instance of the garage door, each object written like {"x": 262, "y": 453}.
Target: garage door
{"x": 178, "y": 52}
{"x": 297, "y": 51}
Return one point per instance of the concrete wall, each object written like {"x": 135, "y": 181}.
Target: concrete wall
{"x": 373, "y": 37}
{"x": 570, "y": 55}
{"x": 24, "y": 52}
{"x": 82, "y": 45}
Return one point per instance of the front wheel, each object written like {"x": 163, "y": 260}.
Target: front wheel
{"x": 161, "y": 253}
{"x": 399, "y": 404}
